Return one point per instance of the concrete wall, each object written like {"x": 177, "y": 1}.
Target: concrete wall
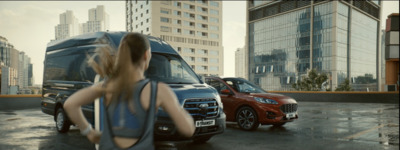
{"x": 351, "y": 97}
{"x": 19, "y": 102}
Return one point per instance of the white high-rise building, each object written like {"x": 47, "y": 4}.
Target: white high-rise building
{"x": 98, "y": 20}
{"x": 23, "y": 69}
{"x": 69, "y": 26}
{"x": 193, "y": 28}
{"x": 240, "y": 63}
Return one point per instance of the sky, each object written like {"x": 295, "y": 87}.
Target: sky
{"x": 30, "y": 25}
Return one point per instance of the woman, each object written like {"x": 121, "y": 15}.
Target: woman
{"x": 123, "y": 76}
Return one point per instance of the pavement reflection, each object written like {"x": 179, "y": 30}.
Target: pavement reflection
{"x": 320, "y": 126}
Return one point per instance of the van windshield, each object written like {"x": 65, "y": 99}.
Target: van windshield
{"x": 170, "y": 69}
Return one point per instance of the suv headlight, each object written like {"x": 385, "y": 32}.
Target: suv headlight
{"x": 265, "y": 100}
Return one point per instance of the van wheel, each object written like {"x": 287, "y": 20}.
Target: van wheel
{"x": 201, "y": 140}
{"x": 62, "y": 122}
{"x": 247, "y": 118}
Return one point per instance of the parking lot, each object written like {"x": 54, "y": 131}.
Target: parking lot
{"x": 321, "y": 125}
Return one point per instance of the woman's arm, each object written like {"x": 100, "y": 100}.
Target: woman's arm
{"x": 73, "y": 108}
{"x": 182, "y": 119}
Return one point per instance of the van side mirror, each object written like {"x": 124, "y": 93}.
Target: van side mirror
{"x": 226, "y": 91}
{"x": 202, "y": 78}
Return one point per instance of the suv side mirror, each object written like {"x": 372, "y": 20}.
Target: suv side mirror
{"x": 226, "y": 91}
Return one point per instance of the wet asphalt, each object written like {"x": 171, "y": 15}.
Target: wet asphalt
{"x": 321, "y": 125}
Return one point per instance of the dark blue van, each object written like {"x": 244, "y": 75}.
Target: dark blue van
{"x": 66, "y": 71}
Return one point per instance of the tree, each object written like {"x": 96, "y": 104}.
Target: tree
{"x": 313, "y": 82}
{"x": 344, "y": 86}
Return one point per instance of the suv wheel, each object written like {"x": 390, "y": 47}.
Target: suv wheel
{"x": 247, "y": 118}
{"x": 201, "y": 140}
{"x": 62, "y": 122}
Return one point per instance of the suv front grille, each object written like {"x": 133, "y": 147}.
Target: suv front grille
{"x": 289, "y": 108}
{"x": 201, "y": 108}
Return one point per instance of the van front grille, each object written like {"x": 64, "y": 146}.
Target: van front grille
{"x": 201, "y": 108}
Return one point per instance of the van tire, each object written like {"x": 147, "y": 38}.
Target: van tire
{"x": 62, "y": 122}
{"x": 247, "y": 118}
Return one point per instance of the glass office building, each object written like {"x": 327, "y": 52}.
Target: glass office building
{"x": 288, "y": 38}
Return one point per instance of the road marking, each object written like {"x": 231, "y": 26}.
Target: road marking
{"x": 363, "y": 132}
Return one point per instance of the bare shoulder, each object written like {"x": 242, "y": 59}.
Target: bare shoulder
{"x": 164, "y": 91}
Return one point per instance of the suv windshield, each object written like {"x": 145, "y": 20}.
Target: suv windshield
{"x": 244, "y": 86}
{"x": 170, "y": 69}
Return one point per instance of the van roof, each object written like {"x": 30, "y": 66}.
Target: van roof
{"x": 112, "y": 38}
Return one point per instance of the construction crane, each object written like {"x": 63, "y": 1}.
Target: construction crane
{"x": 129, "y": 15}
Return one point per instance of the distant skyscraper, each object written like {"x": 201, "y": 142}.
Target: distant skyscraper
{"x": 193, "y": 28}
{"x": 23, "y": 70}
{"x": 30, "y": 74}
{"x": 98, "y": 20}
{"x": 392, "y": 77}
{"x": 5, "y": 51}
{"x": 240, "y": 63}
{"x": 8, "y": 66}
{"x": 69, "y": 26}
{"x": 285, "y": 39}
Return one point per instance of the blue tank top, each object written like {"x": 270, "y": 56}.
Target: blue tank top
{"x": 121, "y": 122}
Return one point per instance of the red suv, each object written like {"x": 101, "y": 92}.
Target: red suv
{"x": 249, "y": 105}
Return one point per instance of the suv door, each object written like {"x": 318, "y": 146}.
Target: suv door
{"x": 229, "y": 100}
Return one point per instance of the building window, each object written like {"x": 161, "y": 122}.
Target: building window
{"x": 214, "y": 53}
{"x": 147, "y": 11}
{"x": 141, "y": 23}
{"x": 136, "y": 26}
{"x": 163, "y": 19}
{"x": 214, "y": 68}
{"x": 164, "y": 11}
{"x": 213, "y": 3}
{"x": 214, "y": 12}
{"x": 165, "y": 29}
{"x": 214, "y": 28}
{"x": 147, "y": 20}
{"x": 214, "y": 20}
{"x": 177, "y": 21}
{"x": 186, "y": 6}
{"x": 141, "y": 15}
{"x": 141, "y": 6}
{"x": 177, "y": 4}
{"x": 213, "y": 60}
{"x": 177, "y": 30}
{"x": 202, "y": 52}
{"x": 177, "y": 13}
{"x": 214, "y": 36}
{"x": 136, "y": 9}
{"x": 202, "y": 60}
{"x": 189, "y": 50}
{"x": 136, "y": 18}
{"x": 201, "y": 9}
{"x": 147, "y": 29}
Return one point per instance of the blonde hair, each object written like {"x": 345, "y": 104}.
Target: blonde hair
{"x": 118, "y": 69}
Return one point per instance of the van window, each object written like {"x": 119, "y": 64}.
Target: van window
{"x": 71, "y": 67}
{"x": 170, "y": 69}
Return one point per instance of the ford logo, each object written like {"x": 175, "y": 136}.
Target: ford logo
{"x": 203, "y": 105}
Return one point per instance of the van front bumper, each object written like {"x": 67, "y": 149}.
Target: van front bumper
{"x": 165, "y": 130}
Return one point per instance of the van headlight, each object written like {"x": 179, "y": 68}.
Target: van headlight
{"x": 219, "y": 102}
{"x": 265, "y": 100}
